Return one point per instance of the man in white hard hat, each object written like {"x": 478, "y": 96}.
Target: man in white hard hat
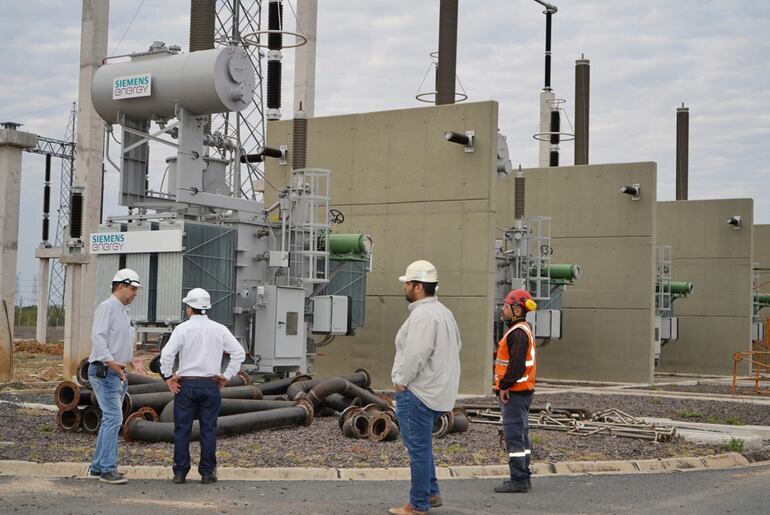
{"x": 200, "y": 343}
{"x": 112, "y": 347}
{"x": 426, "y": 377}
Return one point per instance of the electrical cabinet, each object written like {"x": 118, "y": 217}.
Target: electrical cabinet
{"x": 279, "y": 328}
{"x": 545, "y": 323}
{"x": 331, "y": 314}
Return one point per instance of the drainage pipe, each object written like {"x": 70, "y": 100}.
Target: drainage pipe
{"x": 134, "y": 379}
{"x": 337, "y": 401}
{"x": 136, "y": 429}
{"x": 158, "y": 400}
{"x": 68, "y": 419}
{"x": 91, "y": 419}
{"x": 383, "y": 429}
{"x": 81, "y": 373}
{"x": 279, "y": 386}
{"x": 346, "y": 388}
{"x": 357, "y": 425}
{"x": 232, "y": 407}
{"x": 69, "y": 395}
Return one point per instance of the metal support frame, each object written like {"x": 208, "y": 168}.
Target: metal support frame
{"x": 234, "y": 19}
{"x": 663, "y": 300}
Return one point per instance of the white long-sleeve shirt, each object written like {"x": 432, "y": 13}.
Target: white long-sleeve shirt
{"x": 200, "y": 343}
{"x": 112, "y": 335}
{"x": 428, "y": 354}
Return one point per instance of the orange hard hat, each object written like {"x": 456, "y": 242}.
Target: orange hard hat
{"x": 522, "y": 298}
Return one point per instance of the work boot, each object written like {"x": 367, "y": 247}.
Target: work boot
{"x": 178, "y": 480}
{"x": 435, "y": 501}
{"x": 209, "y": 478}
{"x": 512, "y": 487}
{"x": 113, "y": 477}
{"x": 405, "y": 510}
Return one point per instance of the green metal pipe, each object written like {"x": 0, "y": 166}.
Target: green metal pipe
{"x": 763, "y": 299}
{"x": 679, "y": 288}
{"x": 349, "y": 244}
{"x": 561, "y": 272}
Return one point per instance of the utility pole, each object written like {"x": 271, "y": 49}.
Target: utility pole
{"x": 89, "y": 155}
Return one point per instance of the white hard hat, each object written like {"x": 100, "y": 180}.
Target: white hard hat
{"x": 128, "y": 277}
{"x": 422, "y": 271}
{"x": 198, "y": 298}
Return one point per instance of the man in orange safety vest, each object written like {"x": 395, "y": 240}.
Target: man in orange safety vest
{"x": 515, "y": 381}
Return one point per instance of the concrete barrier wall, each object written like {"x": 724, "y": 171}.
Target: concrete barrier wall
{"x": 420, "y": 197}
{"x": 608, "y": 318}
{"x": 715, "y": 320}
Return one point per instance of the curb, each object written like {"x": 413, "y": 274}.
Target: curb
{"x": 570, "y": 468}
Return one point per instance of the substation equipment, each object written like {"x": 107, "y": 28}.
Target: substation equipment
{"x": 276, "y": 274}
{"x": 523, "y": 260}
{"x": 666, "y": 292}
{"x": 759, "y": 301}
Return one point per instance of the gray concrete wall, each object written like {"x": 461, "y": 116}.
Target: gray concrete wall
{"x": 396, "y": 177}
{"x": 715, "y": 320}
{"x": 608, "y": 317}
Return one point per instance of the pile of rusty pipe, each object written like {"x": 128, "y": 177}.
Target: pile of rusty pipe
{"x": 136, "y": 429}
{"x": 233, "y": 407}
{"x": 69, "y": 395}
{"x": 369, "y": 422}
{"x": 68, "y": 419}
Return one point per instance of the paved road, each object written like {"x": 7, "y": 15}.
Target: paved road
{"x": 739, "y": 491}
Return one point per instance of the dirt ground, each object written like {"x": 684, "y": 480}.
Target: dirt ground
{"x": 30, "y": 434}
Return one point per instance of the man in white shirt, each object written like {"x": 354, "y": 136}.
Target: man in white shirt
{"x": 426, "y": 377}
{"x": 112, "y": 346}
{"x": 200, "y": 343}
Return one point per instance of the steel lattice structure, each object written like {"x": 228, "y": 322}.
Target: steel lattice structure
{"x": 234, "y": 19}
{"x": 56, "y": 286}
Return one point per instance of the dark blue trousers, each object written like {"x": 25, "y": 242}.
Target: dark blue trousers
{"x": 198, "y": 399}
{"x": 515, "y": 414}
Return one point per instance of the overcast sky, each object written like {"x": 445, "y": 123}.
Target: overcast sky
{"x": 647, "y": 57}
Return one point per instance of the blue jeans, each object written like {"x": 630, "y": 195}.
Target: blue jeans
{"x": 109, "y": 394}
{"x": 198, "y": 399}
{"x": 515, "y": 414}
{"x": 416, "y": 421}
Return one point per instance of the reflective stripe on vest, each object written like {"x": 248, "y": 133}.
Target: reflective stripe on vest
{"x": 527, "y": 381}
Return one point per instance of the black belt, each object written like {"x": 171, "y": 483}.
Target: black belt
{"x": 197, "y": 378}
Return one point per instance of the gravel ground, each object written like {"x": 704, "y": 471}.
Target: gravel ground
{"x": 722, "y": 389}
{"x": 27, "y": 434}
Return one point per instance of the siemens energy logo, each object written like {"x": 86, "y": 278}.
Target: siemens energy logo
{"x": 132, "y": 86}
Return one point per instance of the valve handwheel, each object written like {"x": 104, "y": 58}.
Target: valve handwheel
{"x": 336, "y": 216}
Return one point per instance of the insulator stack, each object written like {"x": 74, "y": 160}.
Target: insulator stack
{"x": 76, "y": 215}
{"x": 555, "y": 128}
{"x": 203, "y": 14}
{"x": 518, "y": 196}
{"x": 46, "y": 197}
{"x": 299, "y": 142}
{"x": 274, "y": 45}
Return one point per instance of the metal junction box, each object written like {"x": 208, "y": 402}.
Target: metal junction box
{"x": 546, "y": 323}
{"x": 669, "y": 328}
{"x": 279, "y": 329}
{"x": 331, "y": 314}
